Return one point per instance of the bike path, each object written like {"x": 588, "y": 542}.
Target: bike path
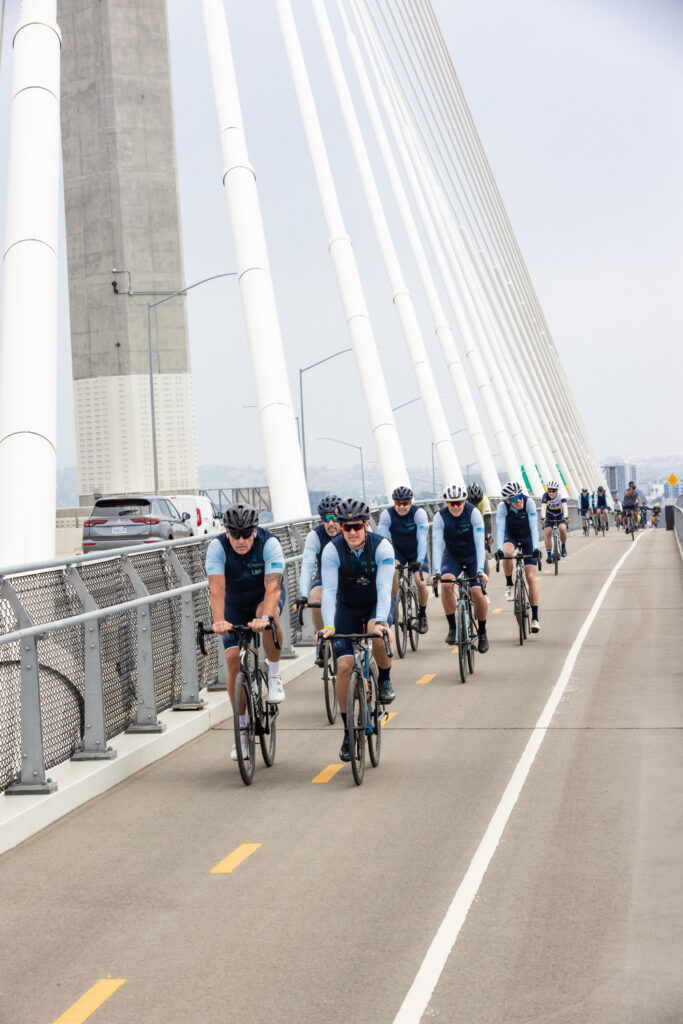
{"x": 332, "y": 915}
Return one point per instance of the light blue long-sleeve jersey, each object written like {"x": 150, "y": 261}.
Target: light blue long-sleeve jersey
{"x": 272, "y": 554}
{"x": 513, "y": 522}
{"x": 477, "y": 523}
{"x": 311, "y": 551}
{"x": 421, "y": 521}
{"x": 384, "y": 556}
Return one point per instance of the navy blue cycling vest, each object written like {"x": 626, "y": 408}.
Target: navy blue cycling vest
{"x": 244, "y": 574}
{"x": 517, "y": 525}
{"x": 458, "y": 534}
{"x": 357, "y": 586}
{"x": 324, "y": 539}
{"x": 601, "y": 500}
{"x": 584, "y": 502}
{"x": 403, "y": 532}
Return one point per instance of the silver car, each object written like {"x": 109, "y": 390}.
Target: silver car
{"x": 123, "y": 521}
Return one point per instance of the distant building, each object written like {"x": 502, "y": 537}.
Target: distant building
{"x": 672, "y": 492}
{"x": 618, "y": 475}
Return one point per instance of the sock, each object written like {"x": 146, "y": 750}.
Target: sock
{"x": 548, "y": 551}
{"x": 423, "y": 611}
{"x": 508, "y": 581}
{"x": 243, "y": 721}
{"x": 343, "y": 715}
{"x": 564, "y": 548}
{"x": 534, "y": 611}
{"x": 481, "y": 626}
{"x": 383, "y": 674}
{"x": 273, "y": 668}
{"x": 451, "y": 620}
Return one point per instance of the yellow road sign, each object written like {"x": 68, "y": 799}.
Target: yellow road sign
{"x": 673, "y": 479}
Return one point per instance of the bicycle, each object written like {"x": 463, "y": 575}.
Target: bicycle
{"x": 556, "y": 548}
{"x": 599, "y": 523}
{"x": 466, "y": 634}
{"x": 629, "y": 521}
{"x": 521, "y": 602}
{"x": 328, "y": 656}
{"x": 407, "y": 609}
{"x": 587, "y": 523}
{"x": 251, "y": 690}
{"x": 364, "y": 708}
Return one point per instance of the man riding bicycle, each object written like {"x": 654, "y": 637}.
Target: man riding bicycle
{"x": 357, "y": 573}
{"x": 554, "y": 511}
{"x": 632, "y": 502}
{"x": 245, "y": 567}
{"x": 316, "y": 541}
{"x": 407, "y": 528}
{"x": 458, "y": 546}
{"x": 585, "y": 506}
{"x": 476, "y": 497}
{"x": 602, "y": 506}
{"x": 517, "y": 525}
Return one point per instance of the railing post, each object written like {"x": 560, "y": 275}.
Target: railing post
{"x": 145, "y": 719}
{"x": 93, "y": 745}
{"x": 31, "y": 778}
{"x": 285, "y": 620}
{"x": 189, "y": 685}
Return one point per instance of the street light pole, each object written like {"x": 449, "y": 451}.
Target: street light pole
{"x": 349, "y": 445}
{"x": 150, "y": 305}
{"x": 302, "y": 371}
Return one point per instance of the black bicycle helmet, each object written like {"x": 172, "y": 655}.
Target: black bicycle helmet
{"x": 402, "y": 494}
{"x": 352, "y": 510}
{"x": 328, "y": 504}
{"x": 240, "y": 517}
{"x": 475, "y": 493}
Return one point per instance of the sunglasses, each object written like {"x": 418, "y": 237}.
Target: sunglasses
{"x": 455, "y": 504}
{"x": 552, "y": 490}
{"x": 240, "y": 534}
{"x": 402, "y": 504}
{"x": 517, "y": 497}
{"x": 352, "y": 527}
{"x": 329, "y": 517}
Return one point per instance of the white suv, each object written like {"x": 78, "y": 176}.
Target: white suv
{"x": 203, "y": 516}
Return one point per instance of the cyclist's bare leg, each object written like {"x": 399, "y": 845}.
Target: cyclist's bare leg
{"x": 315, "y": 597}
{"x": 562, "y": 527}
{"x": 508, "y": 551}
{"x": 232, "y": 661}
{"x": 481, "y": 608}
{"x": 272, "y": 652}
{"x": 548, "y": 538}
{"x": 422, "y": 591}
{"x": 344, "y": 666}
{"x": 530, "y": 573}
{"x": 379, "y": 651}
{"x": 448, "y": 594}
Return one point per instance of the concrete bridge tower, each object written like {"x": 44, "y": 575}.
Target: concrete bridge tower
{"x": 122, "y": 212}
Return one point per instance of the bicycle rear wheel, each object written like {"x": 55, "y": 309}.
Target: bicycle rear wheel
{"x": 413, "y": 619}
{"x": 519, "y": 610}
{"x": 401, "y": 625}
{"x": 461, "y": 638}
{"x": 245, "y": 763}
{"x": 356, "y": 720}
{"x": 376, "y": 716}
{"x": 329, "y": 681}
{"x": 556, "y": 553}
{"x": 268, "y": 715}
{"x": 470, "y": 645}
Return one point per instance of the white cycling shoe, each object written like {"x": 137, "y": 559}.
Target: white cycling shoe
{"x": 535, "y": 626}
{"x": 276, "y": 693}
{"x": 244, "y": 740}
{"x": 509, "y": 594}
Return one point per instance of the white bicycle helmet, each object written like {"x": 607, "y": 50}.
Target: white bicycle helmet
{"x": 552, "y": 485}
{"x": 456, "y": 492}
{"x": 511, "y": 488}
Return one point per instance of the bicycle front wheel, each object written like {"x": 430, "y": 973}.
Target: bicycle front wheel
{"x": 376, "y": 716}
{"x": 461, "y": 640}
{"x": 470, "y": 645}
{"x": 556, "y": 553}
{"x": 356, "y": 709}
{"x": 329, "y": 681}
{"x": 413, "y": 619}
{"x": 519, "y": 610}
{"x": 268, "y": 714}
{"x": 245, "y": 758}
{"x": 401, "y": 624}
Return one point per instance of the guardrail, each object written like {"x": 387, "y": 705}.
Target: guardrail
{"x": 678, "y": 523}
{"x": 95, "y": 645}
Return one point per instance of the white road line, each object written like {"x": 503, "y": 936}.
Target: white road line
{"x": 420, "y": 992}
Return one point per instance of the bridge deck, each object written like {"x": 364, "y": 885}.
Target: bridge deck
{"x": 578, "y": 916}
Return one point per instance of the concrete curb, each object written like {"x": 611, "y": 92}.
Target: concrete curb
{"x": 80, "y": 781}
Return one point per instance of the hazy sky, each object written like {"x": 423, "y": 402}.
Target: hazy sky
{"x": 579, "y": 105}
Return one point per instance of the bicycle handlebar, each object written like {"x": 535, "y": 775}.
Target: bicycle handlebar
{"x": 302, "y": 603}
{"x": 239, "y": 631}
{"x": 359, "y": 636}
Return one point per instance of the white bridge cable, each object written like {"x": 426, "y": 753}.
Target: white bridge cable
{"x": 430, "y": 216}
{"x": 417, "y": 351}
{"x": 441, "y": 326}
{"x": 457, "y": 145}
{"x": 370, "y": 372}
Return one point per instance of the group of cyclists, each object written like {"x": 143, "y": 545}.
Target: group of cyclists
{"x": 631, "y": 512}
{"x": 350, "y": 574}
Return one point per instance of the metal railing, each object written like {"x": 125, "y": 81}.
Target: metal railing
{"x": 95, "y": 645}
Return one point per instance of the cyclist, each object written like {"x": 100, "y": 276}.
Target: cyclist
{"x": 458, "y": 546}
{"x": 585, "y": 506}
{"x": 317, "y": 539}
{"x": 407, "y": 528}
{"x": 602, "y": 508}
{"x": 554, "y": 509}
{"x": 517, "y": 524}
{"x": 632, "y": 501}
{"x": 617, "y": 513}
{"x": 476, "y": 497}
{"x": 357, "y": 573}
{"x": 245, "y": 567}
{"x": 654, "y": 518}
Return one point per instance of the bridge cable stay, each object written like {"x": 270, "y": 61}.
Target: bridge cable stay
{"x": 442, "y": 327}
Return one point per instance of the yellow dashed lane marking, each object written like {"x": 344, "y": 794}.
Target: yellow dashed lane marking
{"x": 328, "y": 773}
{"x": 495, "y": 611}
{"x": 234, "y": 859}
{"x": 91, "y": 1001}
{"x": 388, "y": 716}
{"x": 425, "y": 679}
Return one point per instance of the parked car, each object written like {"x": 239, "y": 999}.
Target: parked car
{"x": 204, "y": 517}
{"x": 122, "y": 521}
